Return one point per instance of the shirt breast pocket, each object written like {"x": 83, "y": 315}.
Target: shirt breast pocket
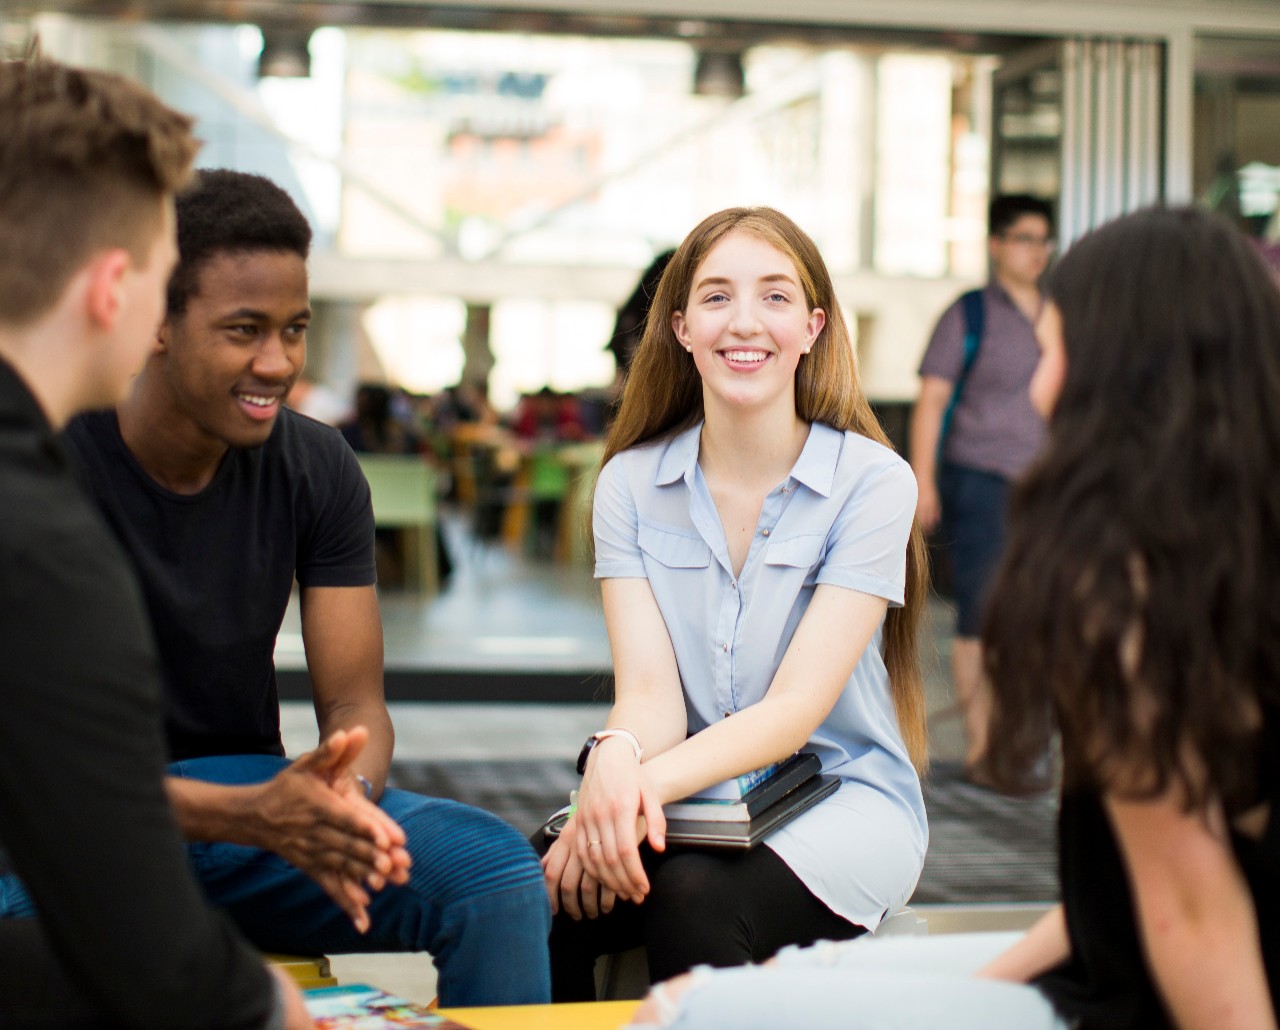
{"x": 802, "y": 553}
{"x": 674, "y": 550}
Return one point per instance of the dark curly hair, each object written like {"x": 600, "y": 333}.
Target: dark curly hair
{"x": 1136, "y": 605}
{"x": 226, "y": 211}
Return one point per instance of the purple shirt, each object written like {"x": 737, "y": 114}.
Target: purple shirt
{"x": 994, "y": 428}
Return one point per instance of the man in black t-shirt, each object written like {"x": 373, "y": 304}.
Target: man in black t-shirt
{"x": 88, "y": 165}
{"x": 221, "y": 496}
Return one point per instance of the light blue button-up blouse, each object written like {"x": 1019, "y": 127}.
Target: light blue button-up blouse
{"x": 843, "y": 517}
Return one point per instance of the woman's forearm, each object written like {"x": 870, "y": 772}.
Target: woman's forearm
{"x": 1044, "y": 946}
{"x": 753, "y": 737}
{"x": 825, "y": 648}
{"x": 658, "y": 718}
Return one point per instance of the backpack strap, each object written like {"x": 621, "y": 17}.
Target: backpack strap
{"x": 975, "y": 318}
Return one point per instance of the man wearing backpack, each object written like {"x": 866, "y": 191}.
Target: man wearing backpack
{"x": 974, "y": 429}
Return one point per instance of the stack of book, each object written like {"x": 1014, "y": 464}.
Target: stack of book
{"x": 741, "y": 812}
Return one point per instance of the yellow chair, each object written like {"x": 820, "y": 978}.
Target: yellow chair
{"x": 404, "y": 498}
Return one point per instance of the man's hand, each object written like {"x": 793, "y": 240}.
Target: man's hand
{"x": 314, "y": 815}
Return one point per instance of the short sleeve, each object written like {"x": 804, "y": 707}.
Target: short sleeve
{"x": 944, "y": 357}
{"x": 867, "y": 546}
{"x": 337, "y": 548}
{"x": 615, "y": 525}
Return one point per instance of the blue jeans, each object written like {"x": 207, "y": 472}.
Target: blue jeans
{"x": 475, "y": 898}
{"x": 973, "y": 530}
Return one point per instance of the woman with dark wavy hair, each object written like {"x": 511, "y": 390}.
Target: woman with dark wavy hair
{"x": 1137, "y": 611}
{"x": 762, "y": 580}
{"x": 1135, "y": 614}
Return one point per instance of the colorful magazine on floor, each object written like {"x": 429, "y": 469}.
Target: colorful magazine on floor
{"x": 361, "y": 1007}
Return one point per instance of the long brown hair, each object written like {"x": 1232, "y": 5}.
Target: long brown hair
{"x": 663, "y": 395}
{"x": 1136, "y": 602}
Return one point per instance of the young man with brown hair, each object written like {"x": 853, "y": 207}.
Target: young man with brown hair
{"x": 88, "y": 166}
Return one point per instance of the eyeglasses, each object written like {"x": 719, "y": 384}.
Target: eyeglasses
{"x": 1024, "y": 239}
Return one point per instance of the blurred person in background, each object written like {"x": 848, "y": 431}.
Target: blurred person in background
{"x": 973, "y": 431}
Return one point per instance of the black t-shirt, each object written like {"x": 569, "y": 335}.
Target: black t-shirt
{"x": 83, "y": 813}
{"x": 1106, "y": 984}
{"x": 217, "y": 567}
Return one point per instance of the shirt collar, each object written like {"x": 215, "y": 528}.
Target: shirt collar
{"x": 815, "y": 468}
{"x": 19, "y": 408}
{"x": 996, "y": 290}
{"x": 680, "y": 457}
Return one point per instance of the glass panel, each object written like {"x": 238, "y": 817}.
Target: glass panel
{"x": 1236, "y": 166}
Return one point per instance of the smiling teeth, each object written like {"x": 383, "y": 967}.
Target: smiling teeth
{"x": 256, "y": 401}
{"x": 744, "y": 355}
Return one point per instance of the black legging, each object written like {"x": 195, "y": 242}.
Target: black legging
{"x": 717, "y": 908}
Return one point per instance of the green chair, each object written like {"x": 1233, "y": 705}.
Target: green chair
{"x": 404, "y": 498}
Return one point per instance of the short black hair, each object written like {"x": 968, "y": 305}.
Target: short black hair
{"x": 1007, "y": 208}
{"x": 225, "y": 211}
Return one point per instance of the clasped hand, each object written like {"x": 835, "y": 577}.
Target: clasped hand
{"x": 596, "y": 859}
{"x": 315, "y": 816}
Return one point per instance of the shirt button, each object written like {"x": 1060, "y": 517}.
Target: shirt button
{"x": 726, "y": 648}
{"x": 727, "y": 714}
{"x": 766, "y": 533}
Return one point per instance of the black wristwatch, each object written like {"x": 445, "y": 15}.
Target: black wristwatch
{"x": 595, "y": 739}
